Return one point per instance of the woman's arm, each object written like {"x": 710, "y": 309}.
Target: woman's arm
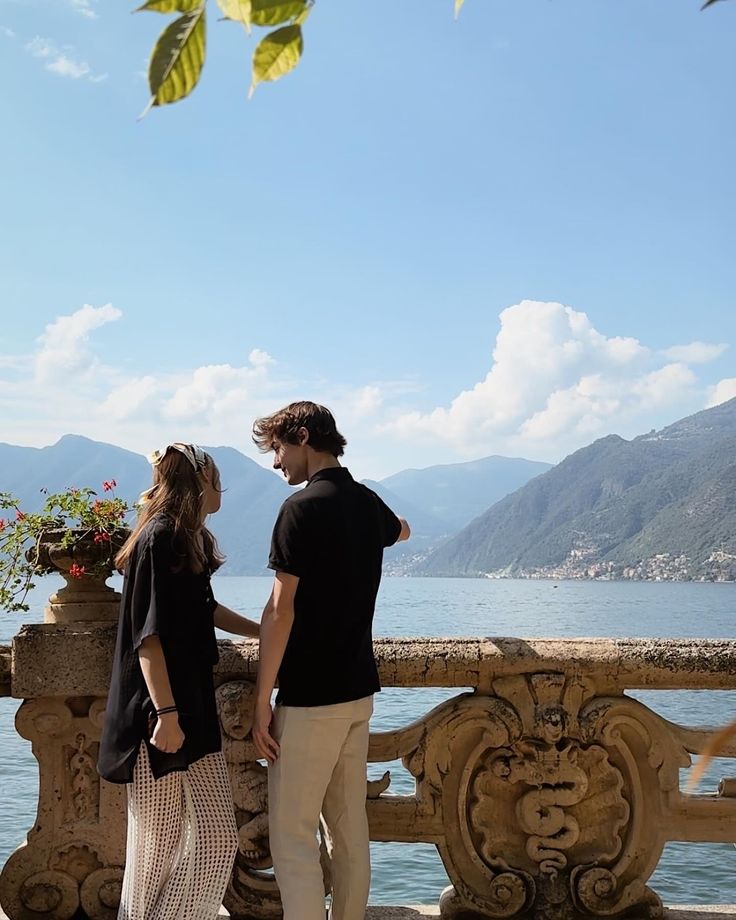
{"x": 234, "y": 623}
{"x": 167, "y": 735}
{"x": 276, "y": 623}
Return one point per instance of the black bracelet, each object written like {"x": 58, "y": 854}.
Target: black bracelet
{"x": 165, "y": 709}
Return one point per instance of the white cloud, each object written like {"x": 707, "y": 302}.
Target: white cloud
{"x": 259, "y": 358}
{"x": 60, "y": 61}
{"x": 368, "y": 400}
{"x": 663, "y": 387}
{"x": 583, "y": 408}
{"x": 63, "y": 344}
{"x": 555, "y": 382}
{"x": 723, "y": 391}
{"x": 84, "y": 8}
{"x": 40, "y": 47}
{"x": 130, "y": 398}
{"x": 8, "y": 33}
{"x": 206, "y": 390}
{"x": 219, "y": 390}
{"x": 695, "y": 352}
{"x": 66, "y": 67}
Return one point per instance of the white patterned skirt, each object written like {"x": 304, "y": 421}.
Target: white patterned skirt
{"x": 182, "y": 841}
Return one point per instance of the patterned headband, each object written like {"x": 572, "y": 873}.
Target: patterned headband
{"x": 194, "y": 454}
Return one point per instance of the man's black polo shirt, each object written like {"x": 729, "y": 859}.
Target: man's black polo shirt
{"x": 331, "y": 534}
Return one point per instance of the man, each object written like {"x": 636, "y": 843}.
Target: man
{"x": 316, "y": 637}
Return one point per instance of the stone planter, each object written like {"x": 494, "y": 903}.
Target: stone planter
{"x": 85, "y": 598}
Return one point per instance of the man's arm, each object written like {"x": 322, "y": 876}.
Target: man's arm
{"x": 234, "y": 623}
{"x": 276, "y": 623}
{"x": 405, "y": 530}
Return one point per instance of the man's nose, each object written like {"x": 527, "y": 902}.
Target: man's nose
{"x": 276, "y": 464}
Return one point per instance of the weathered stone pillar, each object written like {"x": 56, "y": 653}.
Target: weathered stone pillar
{"x": 73, "y": 855}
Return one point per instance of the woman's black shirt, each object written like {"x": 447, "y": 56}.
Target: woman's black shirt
{"x": 178, "y": 607}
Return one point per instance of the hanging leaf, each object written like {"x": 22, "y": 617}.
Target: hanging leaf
{"x": 177, "y": 59}
{"x": 274, "y": 12}
{"x": 276, "y": 55}
{"x": 304, "y": 15}
{"x": 458, "y": 7}
{"x": 238, "y": 10}
{"x": 170, "y": 6}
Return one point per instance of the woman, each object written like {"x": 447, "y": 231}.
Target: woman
{"x": 161, "y": 734}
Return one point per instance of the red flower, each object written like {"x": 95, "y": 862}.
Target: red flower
{"x": 102, "y": 537}
{"x": 2, "y": 524}
{"x": 76, "y": 571}
{"x": 108, "y": 485}
{"x": 19, "y": 516}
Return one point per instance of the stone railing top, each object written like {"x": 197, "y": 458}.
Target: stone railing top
{"x": 47, "y": 661}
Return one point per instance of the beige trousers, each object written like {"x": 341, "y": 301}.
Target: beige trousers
{"x": 321, "y": 768}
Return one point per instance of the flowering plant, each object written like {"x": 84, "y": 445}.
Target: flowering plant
{"x": 70, "y": 519}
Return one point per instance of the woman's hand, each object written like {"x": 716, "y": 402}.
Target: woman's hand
{"x": 167, "y": 735}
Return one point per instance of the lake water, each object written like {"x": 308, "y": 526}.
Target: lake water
{"x": 413, "y": 873}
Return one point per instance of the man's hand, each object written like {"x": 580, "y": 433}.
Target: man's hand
{"x": 265, "y": 744}
{"x": 405, "y": 532}
{"x": 167, "y": 734}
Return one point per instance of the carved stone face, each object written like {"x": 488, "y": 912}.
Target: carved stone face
{"x": 235, "y": 705}
{"x": 552, "y": 723}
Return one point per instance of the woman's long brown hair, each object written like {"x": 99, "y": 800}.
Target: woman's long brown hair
{"x": 177, "y": 492}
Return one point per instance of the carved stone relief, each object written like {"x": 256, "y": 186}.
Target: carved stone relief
{"x": 548, "y": 798}
{"x": 73, "y": 855}
{"x": 251, "y": 891}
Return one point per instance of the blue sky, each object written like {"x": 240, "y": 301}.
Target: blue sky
{"x": 509, "y": 234}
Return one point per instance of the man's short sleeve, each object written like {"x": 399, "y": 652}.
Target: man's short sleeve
{"x": 290, "y": 542}
{"x": 151, "y": 600}
{"x": 390, "y": 524}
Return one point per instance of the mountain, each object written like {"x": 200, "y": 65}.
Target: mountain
{"x": 72, "y": 461}
{"x": 250, "y": 504}
{"x": 243, "y": 526}
{"x": 254, "y": 495}
{"x": 426, "y": 531}
{"x": 423, "y": 523}
{"x": 615, "y": 505}
{"x": 458, "y": 492}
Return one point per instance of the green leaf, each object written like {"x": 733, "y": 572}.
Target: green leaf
{"x": 177, "y": 59}
{"x": 276, "y": 54}
{"x": 304, "y": 15}
{"x": 274, "y": 12}
{"x": 170, "y": 6}
{"x": 238, "y": 10}
{"x": 458, "y": 7}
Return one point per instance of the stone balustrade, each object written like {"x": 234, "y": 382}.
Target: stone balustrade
{"x": 547, "y": 791}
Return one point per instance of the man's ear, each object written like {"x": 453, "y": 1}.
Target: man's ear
{"x": 303, "y": 435}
